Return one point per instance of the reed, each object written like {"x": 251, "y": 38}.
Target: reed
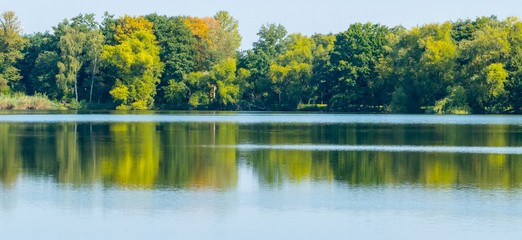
{"x": 24, "y": 102}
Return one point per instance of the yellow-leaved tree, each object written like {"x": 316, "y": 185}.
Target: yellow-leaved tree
{"x": 136, "y": 63}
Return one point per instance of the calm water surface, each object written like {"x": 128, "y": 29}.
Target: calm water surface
{"x": 175, "y": 175}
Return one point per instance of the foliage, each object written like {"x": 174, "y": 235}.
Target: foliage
{"x": 257, "y": 61}
{"x": 43, "y": 75}
{"x": 71, "y": 47}
{"x": 177, "y": 53}
{"x": 291, "y": 72}
{"x": 136, "y": 61}
{"x": 356, "y": 53}
{"x": 34, "y": 74}
{"x": 11, "y": 46}
{"x": 217, "y": 39}
{"x": 321, "y": 81}
{"x": 455, "y": 103}
{"x": 229, "y": 38}
{"x": 184, "y": 62}
{"x": 421, "y": 62}
{"x": 483, "y": 68}
{"x": 80, "y": 44}
{"x": 198, "y": 94}
{"x": 223, "y": 78}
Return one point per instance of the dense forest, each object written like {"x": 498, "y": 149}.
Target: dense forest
{"x": 162, "y": 62}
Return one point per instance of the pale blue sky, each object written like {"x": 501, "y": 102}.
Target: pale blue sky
{"x": 305, "y": 16}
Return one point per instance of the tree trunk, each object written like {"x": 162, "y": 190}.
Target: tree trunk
{"x": 92, "y": 78}
{"x": 76, "y": 88}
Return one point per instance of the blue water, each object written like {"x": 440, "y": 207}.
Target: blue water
{"x": 256, "y": 118}
{"x": 260, "y": 176}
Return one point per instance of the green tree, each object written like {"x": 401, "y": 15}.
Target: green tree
{"x": 108, "y": 28}
{"x": 71, "y": 49}
{"x": 175, "y": 94}
{"x": 229, "y": 38}
{"x": 11, "y": 45}
{"x": 320, "y": 82}
{"x": 291, "y": 72}
{"x": 421, "y": 63}
{"x": 224, "y": 84}
{"x": 465, "y": 29}
{"x": 136, "y": 60}
{"x": 513, "y": 85}
{"x": 43, "y": 75}
{"x": 218, "y": 88}
{"x": 80, "y": 45}
{"x": 38, "y": 68}
{"x": 94, "y": 50}
{"x": 198, "y": 85}
{"x": 257, "y": 62}
{"x": 482, "y": 68}
{"x": 356, "y": 53}
{"x": 177, "y": 53}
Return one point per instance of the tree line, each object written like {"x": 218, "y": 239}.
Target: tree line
{"x": 162, "y": 62}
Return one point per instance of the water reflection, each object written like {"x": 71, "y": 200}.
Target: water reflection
{"x": 210, "y": 155}
{"x": 136, "y": 155}
{"x": 382, "y": 148}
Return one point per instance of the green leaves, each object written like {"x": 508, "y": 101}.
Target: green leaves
{"x": 291, "y": 71}
{"x": 11, "y": 45}
{"x": 79, "y": 43}
{"x": 223, "y": 76}
{"x": 354, "y": 58}
{"x": 271, "y": 44}
{"x": 482, "y": 66}
{"x": 71, "y": 45}
{"x": 177, "y": 47}
{"x": 136, "y": 60}
{"x": 421, "y": 66}
{"x": 192, "y": 62}
{"x": 455, "y": 103}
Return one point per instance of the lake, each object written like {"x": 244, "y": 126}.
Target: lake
{"x": 206, "y": 175}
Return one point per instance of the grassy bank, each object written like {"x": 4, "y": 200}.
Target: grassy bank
{"x": 23, "y": 102}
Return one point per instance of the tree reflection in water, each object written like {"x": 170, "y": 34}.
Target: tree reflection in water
{"x": 205, "y": 155}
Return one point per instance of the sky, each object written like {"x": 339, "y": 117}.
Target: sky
{"x": 304, "y": 16}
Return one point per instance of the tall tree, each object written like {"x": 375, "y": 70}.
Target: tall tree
{"x": 39, "y": 75}
{"x": 228, "y": 36}
{"x": 204, "y": 31}
{"x": 482, "y": 67}
{"x": 216, "y": 39}
{"x": 321, "y": 83}
{"x": 291, "y": 72}
{"x": 71, "y": 48}
{"x": 271, "y": 43}
{"x": 94, "y": 47}
{"x": 11, "y": 45}
{"x": 80, "y": 46}
{"x": 356, "y": 53}
{"x": 465, "y": 29}
{"x": 177, "y": 53}
{"x": 514, "y": 65}
{"x": 136, "y": 61}
{"x": 422, "y": 62}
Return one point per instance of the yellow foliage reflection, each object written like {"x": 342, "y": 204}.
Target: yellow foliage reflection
{"x": 204, "y": 156}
